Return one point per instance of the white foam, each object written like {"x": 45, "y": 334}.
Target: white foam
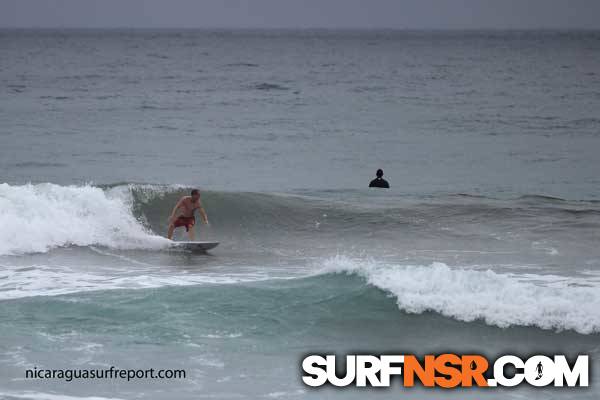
{"x": 54, "y": 280}
{"x": 468, "y": 295}
{"x": 220, "y": 335}
{"x": 37, "y": 218}
{"x": 277, "y": 395}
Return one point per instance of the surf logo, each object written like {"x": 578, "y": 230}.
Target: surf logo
{"x": 445, "y": 371}
{"x": 540, "y": 369}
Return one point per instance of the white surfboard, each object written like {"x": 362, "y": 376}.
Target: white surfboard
{"x": 195, "y": 246}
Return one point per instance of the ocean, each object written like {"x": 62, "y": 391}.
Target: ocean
{"x": 486, "y": 243}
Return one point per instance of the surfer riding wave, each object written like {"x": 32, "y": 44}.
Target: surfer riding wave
{"x": 183, "y": 214}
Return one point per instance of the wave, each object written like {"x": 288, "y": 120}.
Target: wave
{"x": 242, "y": 64}
{"x": 47, "y": 280}
{"x": 337, "y": 289}
{"x": 38, "y": 164}
{"x": 501, "y": 300}
{"x": 39, "y": 217}
{"x": 270, "y": 86}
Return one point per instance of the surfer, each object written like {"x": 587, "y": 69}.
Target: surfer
{"x": 183, "y": 214}
{"x": 379, "y": 182}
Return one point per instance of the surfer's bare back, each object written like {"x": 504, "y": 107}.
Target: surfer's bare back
{"x": 183, "y": 214}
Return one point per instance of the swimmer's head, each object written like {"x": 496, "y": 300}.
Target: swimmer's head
{"x": 379, "y": 173}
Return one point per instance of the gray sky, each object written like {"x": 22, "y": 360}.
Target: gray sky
{"x": 408, "y": 14}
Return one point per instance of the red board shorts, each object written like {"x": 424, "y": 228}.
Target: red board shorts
{"x": 188, "y": 222}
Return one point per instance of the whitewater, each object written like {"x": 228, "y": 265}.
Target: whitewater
{"x": 117, "y": 250}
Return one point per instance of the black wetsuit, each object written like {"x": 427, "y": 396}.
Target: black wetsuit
{"x": 379, "y": 183}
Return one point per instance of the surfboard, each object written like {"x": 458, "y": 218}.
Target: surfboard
{"x": 194, "y": 246}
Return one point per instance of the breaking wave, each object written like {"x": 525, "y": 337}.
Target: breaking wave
{"x": 37, "y": 218}
{"x": 469, "y": 295}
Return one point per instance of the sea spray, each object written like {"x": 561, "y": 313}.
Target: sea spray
{"x": 39, "y": 217}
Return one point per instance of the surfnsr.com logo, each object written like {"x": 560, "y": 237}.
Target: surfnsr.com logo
{"x": 446, "y": 371}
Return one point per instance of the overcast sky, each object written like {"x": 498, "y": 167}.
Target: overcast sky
{"x": 407, "y": 14}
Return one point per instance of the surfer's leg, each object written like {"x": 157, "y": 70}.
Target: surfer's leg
{"x": 192, "y": 233}
{"x": 171, "y": 229}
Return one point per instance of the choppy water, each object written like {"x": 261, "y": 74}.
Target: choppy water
{"x": 487, "y": 241}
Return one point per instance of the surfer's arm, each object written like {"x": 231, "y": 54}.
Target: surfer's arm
{"x": 203, "y": 214}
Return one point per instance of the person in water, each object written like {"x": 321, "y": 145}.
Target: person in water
{"x": 183, "y": 214}
{"x": 379, "y": 182}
